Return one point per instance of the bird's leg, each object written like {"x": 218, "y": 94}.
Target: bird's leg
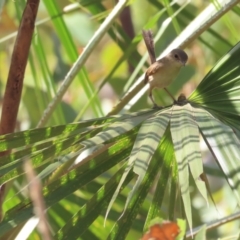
{"x": 151, "y": 97}
{"x": 170, "y": 95}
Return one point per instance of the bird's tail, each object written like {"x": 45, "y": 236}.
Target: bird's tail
{"x": 149, "y": 42}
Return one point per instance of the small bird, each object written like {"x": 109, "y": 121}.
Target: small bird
{"x": 162, "y": 72}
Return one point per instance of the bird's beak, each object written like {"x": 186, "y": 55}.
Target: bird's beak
{"x": 183, "y": 63}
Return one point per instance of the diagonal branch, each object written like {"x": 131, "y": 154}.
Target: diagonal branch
{"x": 214, "y": 224}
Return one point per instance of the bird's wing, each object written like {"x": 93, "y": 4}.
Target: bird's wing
{"x": 153, "y": 69}
{"x": 148, "y": 39}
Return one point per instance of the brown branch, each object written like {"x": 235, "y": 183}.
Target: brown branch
{"x": 13, "y": 91}
{"x": 14, "y": 85}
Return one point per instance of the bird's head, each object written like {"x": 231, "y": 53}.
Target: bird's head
{"x": 179, "y": 56}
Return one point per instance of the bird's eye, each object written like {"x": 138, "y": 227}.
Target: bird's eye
{"x": 176, "y": 56}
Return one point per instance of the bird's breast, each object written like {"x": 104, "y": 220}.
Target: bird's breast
{"x": 163, "y": 78}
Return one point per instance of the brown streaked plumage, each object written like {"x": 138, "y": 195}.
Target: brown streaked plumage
{"x": 162, "y": 72}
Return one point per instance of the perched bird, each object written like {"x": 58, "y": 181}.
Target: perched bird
{"x": 162, "y": 72}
